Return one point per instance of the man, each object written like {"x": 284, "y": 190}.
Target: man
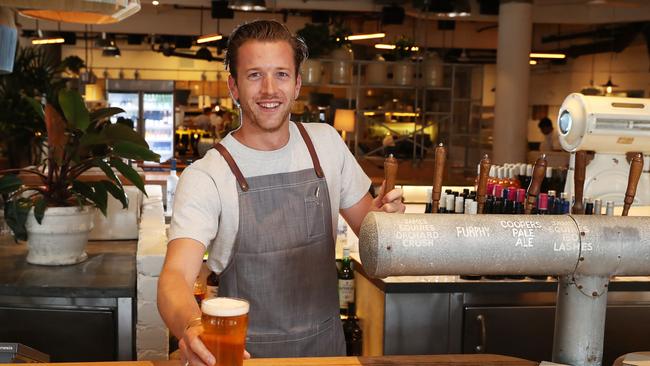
{"x": 551, "y": 141}
{"x": 204, "y": 120}
{"x": 264, "y": 204}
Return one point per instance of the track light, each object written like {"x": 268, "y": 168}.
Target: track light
{"x": 357, "y": 37}
{"x": 547, "y": 55}
{"x": 112, "y": 52}
{"x": 209, "y": 38}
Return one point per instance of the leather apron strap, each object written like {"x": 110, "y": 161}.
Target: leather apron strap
{"x": 243, "y": 184}
{"x": 312, "y": 151}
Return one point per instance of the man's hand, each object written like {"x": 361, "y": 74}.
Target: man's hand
{"x": 193, "y": 351}
{"x": 389, "y": 202}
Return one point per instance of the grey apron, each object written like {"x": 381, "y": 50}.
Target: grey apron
{"x": 283, "y": 262}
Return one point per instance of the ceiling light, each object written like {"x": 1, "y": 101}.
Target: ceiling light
{"x": 609, "y": 86}
{"x": 209, "y": 38}
{"x": 155, "y": 3}
{"x": 247, "y": 5}
{"x": 532, "y": 62}
{"x": 547, "y": 55}
{"x": 204, "y": 53}
{"x": 76, "y": 11}
{"x": 112, "y": 52}
{"x": 384, "y": 46}
{"x": 356, "y": 37}
{"x": 105, "y": 43}
{"x": 47, "y": 40}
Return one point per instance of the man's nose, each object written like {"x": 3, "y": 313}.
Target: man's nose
{"x": 268, "y": 85}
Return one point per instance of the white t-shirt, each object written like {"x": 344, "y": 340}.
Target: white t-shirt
{"x": 206, "y": 205}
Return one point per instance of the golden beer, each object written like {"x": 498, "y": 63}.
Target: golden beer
{"x": 225, "y": 321}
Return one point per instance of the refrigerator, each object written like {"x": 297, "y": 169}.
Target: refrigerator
{"x": 150, "y": 105}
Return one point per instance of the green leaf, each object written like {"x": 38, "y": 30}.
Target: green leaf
{"x": 16, "y": 212}
{"x": 130, "y": 150}
{"x": 101, "y": 196}
{"x": 129, "y": 173}
{"x": 108, "y": 171}
{"x": 118, "y": 132}
{"x": 9, "y": 183}
{"x": 38, "y": 107}
{"x": 84, "y": 190}
{"x": 102, "y": 113}
{"x": 74, "y": 109}
{"x": 117, "y": 192}
{"x": 93, "y": 138}
{"x": 39, "y": 209}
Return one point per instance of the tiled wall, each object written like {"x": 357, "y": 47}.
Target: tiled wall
{"x": 152, "y": 336}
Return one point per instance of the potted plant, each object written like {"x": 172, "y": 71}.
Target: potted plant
{"x": 36, "y": 72}
{"x": 55, "y": 213}
{"x": 317, "y": 38}
{"x": 403, "y": 70}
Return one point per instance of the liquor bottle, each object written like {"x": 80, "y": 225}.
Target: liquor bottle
{"x": 510, "y": 196}
{"x": 609, "y": 210}
{"x": 449, "y": 203}
{"x": 542, "y": 204}
{"x": 598, "y": 207}
{"x": 520, "y": 200}
{"x": 589, "y": 206}
{"x": 427, "y": 208}
{"x": 199, "y": 290}
{"x": 498, "y": 199}
{"x": 352, "y": 332}
{"x": 459, "y": 203}
{"x": 346, "y": 282}
{"x": 212, "y": 286}
{"x": 551, "y": 202}
{"x": 442, "y": 207}
{"x": 172, "y": 181}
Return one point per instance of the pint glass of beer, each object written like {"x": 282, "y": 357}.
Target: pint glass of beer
{"x": 225, "y": 321}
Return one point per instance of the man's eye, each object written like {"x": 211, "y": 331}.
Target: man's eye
{"x": 283, "y": 74}
{"x": 254, "y": 75}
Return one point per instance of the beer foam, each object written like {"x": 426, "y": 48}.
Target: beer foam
{"x": 224, "y": 306}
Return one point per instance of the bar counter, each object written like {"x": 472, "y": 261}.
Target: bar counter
{"x": 77, "y": 312}
{"x": 428, "y": 360}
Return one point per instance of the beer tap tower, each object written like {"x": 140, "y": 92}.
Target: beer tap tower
{"x": 584, "y": 251}
{"x": 611, "y": 127}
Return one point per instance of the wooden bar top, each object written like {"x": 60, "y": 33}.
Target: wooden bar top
{"x": 424, "y": 360}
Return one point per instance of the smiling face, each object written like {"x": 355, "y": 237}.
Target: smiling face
{"x": 266, "y": 85}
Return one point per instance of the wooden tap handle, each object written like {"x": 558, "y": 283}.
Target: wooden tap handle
{"x": 636, "y": 167}
{"x": 390, "y": 173}
{"x": 579, "y": 182}
{"x": 539, "y": 173}
{"x": 438, "y": 171}
{"x": 484, "y": 170}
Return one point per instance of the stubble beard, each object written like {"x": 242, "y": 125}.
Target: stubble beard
{"x": 255, "y": 121}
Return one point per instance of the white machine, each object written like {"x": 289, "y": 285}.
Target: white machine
{"x": 611, "y": 127}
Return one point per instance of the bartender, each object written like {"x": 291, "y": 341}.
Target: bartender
{"x": 264, "y": 204}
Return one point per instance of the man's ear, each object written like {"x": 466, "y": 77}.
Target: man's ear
{"x": 232, "y": 88}
{"x": 298, "y": 85}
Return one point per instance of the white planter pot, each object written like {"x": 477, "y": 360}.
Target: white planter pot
{"x": 62, "y": 236}
{"x": 376, "y": 72}
{"x": 342, "y": 65}
{"x": 433, "y": 72}
{"x": 311, "y": 71}
{"x": 403, "y": 73}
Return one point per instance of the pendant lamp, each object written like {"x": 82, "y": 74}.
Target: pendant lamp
{"x": 247, "y": 5}
{"x": 76, "y": 11}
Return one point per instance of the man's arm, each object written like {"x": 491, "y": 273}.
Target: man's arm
{"x": 176, "y": 302}
{"x": 390, "y": 202}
